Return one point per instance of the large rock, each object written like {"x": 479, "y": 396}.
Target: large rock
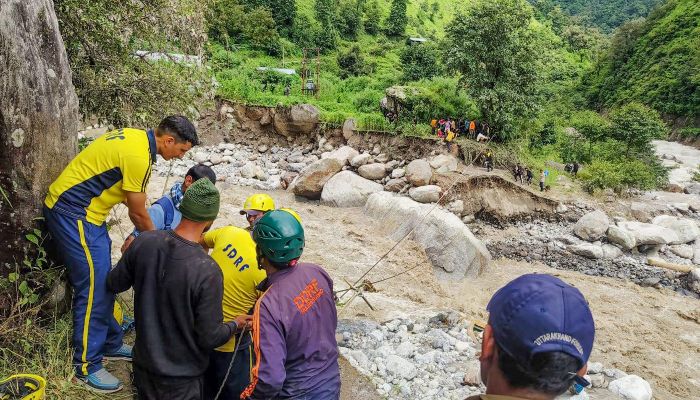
{"x": 683, "y": 251}
{"x": 349, "y": 127}
{"x": 396, "y": 185}
{"x": 592, "y": 226}
{"x": 631, "y": 387}
{"x": 444, "y": 161}
{"x": 450, "y": 246}
{"x": 400, "y": 367}
{"x": 299, "y": 120}
{"x": 621, "y": 237}
{"x": 611, "y": 252}
{"x": 346, "y": 189}
{"x": 311, "y": 179}
{"x": 344, "y": 154}
{"x": 648, "y": 233}
{"x": 360, "y": 160}
{"x": 686, "y": 229}
{"x": 372, "y": 171}
{"x": 419, "y": 173}
{"x": 692, "y": 188}
{"x": 588, "y": 250}
{"x": 425, "y": 194}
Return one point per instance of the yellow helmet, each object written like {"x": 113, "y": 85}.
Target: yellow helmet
{"x": 23, "y": 387}
{"x": 118, "y": 313}
{"x": 294, "y": 213}
{"x": 258, "y": 202}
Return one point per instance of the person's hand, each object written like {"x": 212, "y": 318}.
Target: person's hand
{"x": 244, "y": 322}
{"x": 127, "y": 242}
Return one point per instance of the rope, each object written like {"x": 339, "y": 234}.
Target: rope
{"x": 167, "y": 177}
{"x": 230, "y": 365}
{"x": 415, "y": 226}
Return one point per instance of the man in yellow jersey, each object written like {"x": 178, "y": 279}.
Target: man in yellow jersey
{"x": 233, "y": 250}
{"x": 114, "y": 168}
{"x": 256, "y": 206}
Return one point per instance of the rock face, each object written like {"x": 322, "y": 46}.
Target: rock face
{"x": 311, "y": 180}
{"x": 621, "y": 237}
{"x": 372, "y": 171}
{"x": 648, "y": 233}
{"x": 426, "y": 194}
{"x": 344, "y": 154}
{"x": 302, "y": 119}
{"x": 592, "y": 226}
{"x": 631, "y": 387}
{"x": 686, "y": 229}
{"x": 346, "y": 189}
{"x": 451, "y": 247}
{"x": 419, "y": 173}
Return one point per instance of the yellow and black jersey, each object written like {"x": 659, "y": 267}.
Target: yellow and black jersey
{"x": 98, "y": 178}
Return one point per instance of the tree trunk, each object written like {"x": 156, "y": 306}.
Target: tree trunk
{"x": 38, "y": 118}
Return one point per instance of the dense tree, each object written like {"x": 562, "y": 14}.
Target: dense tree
{"x": 606, "y": 14}
{"x": 636, "y": 126}
{"x": 654, "y": 61}
{"x": 395, "y": 24}
{"x": 351, "y": 62}
{"x": 283, "y": 12}
{"x": 325, "y": 15}
{"x": 499, "y": 57}
{"x": 102, "y": 38}
{"x": 372, "y": 20}
{"x": 420, "y": 61}
{"x": 349, "y": 17}
{"x": 592, "y": 126}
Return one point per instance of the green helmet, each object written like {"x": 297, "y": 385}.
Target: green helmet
{"x": 279, "y": 237}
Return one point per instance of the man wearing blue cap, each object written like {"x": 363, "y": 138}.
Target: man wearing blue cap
{"x": 538, "y": 339}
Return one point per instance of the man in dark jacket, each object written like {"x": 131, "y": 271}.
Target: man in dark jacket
{"x": 178, "y": 292}
{"x": 294, "y": 321}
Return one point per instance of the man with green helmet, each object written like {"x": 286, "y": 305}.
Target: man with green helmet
{"x": 294, "y": 321}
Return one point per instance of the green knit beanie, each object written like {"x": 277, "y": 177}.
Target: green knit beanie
{"x": 201, "y": 201}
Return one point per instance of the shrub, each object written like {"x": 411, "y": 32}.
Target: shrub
{"x": 622, "y": 175}
{"x": 420, "y": 61}
{"x": 351, "y": 63}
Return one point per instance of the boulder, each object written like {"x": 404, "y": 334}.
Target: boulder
{"x": 631, "y": 387}
{"x": 446, "y": 161}
{"x": 621, "y": 237}
{"x": 611, "y": 252}
{"x": 456, "y": 207}
{"x": 694, "y": 280}
{"x": 450, "y": 246}
{"x": 640, "y": 212}
{"x": 287, "y": 178}
{"x": 216, "y": 159}
{"x": 248, "y": 170}
{"x": 398, "y": 173}
{"x": 396, "y": 185}
{"x": 400, "y": 367}
{"x": 649, "y": 234}
{"x": 425, "y": 194}
{"x": 696, "y": 255}
{"x": 360, "y": 160}
{"x": 311, "y": 179}
{"x": 372, "y": 171}
{"x": 419, "y": 173}
{"x": 683, "y": 251}
{"x": 343, "y": 154}
{"x": 588, "y": 250}
{"x": 300, "y": 120}
{"x": 686, "y": 229}
{"x": 347, "y": 189}
{"x": 692, "y": 188}
{"x": 349, "y": 127}
{"x": 592, "y": 226}
{"x": 201, "y": 157}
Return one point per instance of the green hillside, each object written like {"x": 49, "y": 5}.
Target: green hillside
{"x": 655, "y": 62}
{"x": 605, "y": 14}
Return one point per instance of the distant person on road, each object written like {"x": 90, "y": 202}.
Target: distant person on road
{"x": 538, "y": 339}
{"x": 529, "y": 175}
{"x": 543, "y": 176}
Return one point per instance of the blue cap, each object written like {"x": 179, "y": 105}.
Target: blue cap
{"x": 538, "y": 313}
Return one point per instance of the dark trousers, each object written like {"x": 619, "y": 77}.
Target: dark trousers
{"x": 86, "y": 252}
{"x": 239, "y": 377}
{"x": 155, "y": 387}
{"x": 541, "y": 186}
